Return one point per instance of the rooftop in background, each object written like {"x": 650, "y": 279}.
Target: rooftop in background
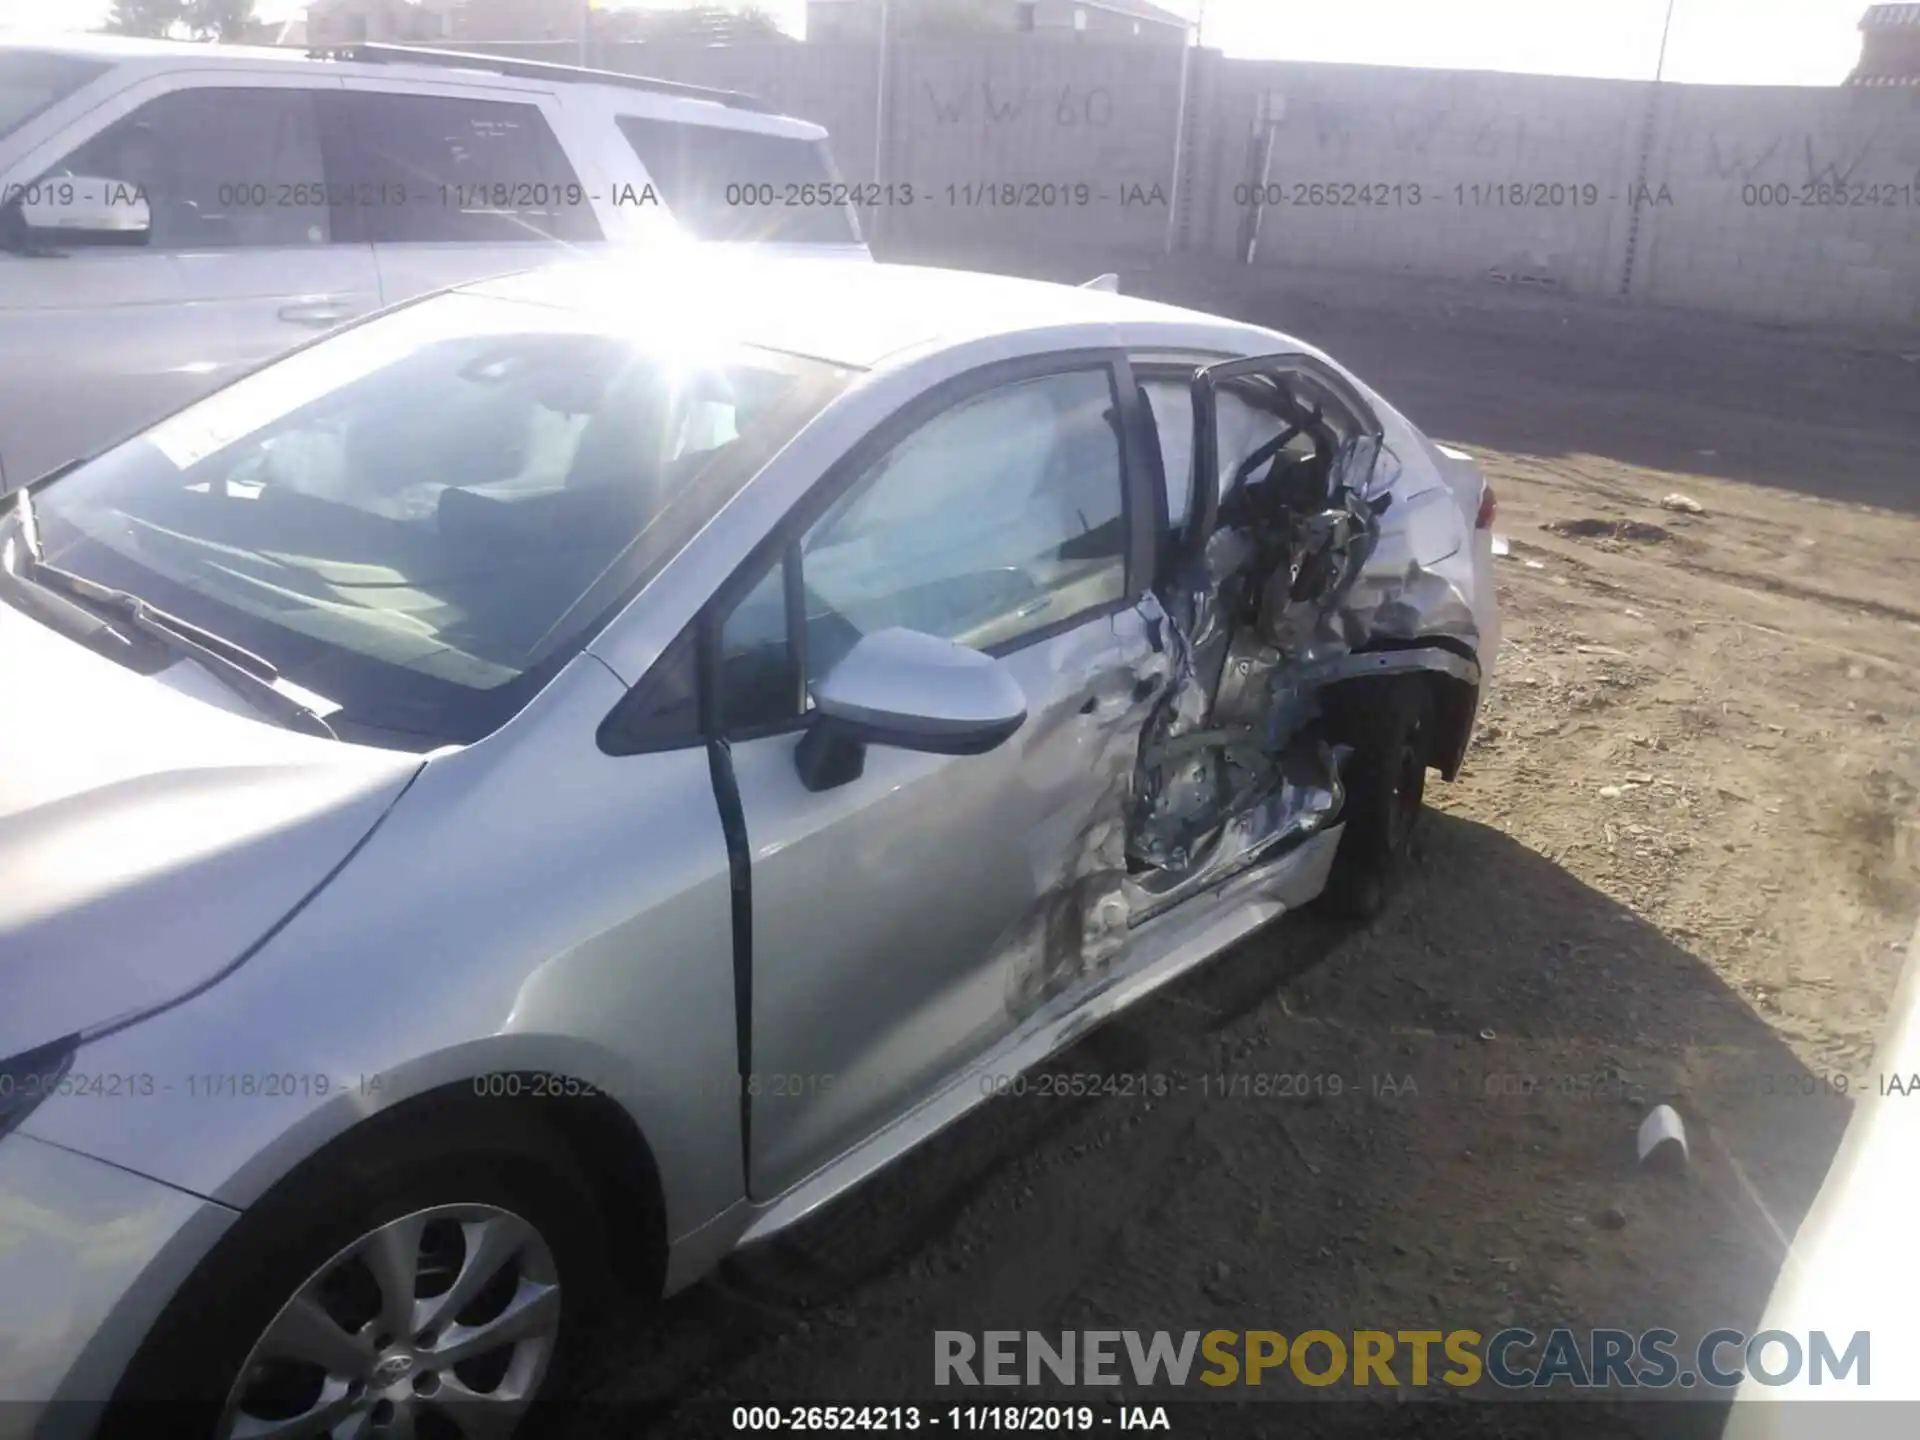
{"x": 1889, "y": 46}
{"x": 1140, "y": 10}
{"x": 1111, "y": 20}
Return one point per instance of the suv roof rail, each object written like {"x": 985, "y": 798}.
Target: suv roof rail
{"x": 377, "y": 54}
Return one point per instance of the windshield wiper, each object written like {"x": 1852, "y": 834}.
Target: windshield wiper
{"x": 248, "y": 675}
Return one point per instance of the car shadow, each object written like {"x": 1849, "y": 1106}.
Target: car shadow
{"x": 1445, "y": 1137}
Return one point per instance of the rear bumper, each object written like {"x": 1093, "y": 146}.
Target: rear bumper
{"x": 89, "y": 1255}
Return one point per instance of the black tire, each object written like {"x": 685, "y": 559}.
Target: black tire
{"x": 1389, "y": 722}
{"x": 394, "y": 1167}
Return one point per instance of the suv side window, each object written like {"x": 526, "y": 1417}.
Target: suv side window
{"x": 219, "y": 167}
{"x": 445, "y": 168}
{"x": 999, "y": 518}
{"x": 722, "y": 184}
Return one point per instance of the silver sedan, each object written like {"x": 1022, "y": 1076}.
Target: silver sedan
{"x": 559, "y": 780}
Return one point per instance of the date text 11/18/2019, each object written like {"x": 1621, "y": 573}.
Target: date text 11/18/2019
{"x": 957, "y": 1419}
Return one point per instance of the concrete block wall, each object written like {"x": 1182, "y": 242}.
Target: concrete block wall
{"x": 1428, "y": 172}
{"x": 998, "y": 142}
{"x": 1615, "y": 189}
{"x": 1050, "y": 144}
{"x": 1789, "y": 204}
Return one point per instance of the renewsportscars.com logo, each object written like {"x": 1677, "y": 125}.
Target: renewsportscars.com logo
{"x": 1513, "y": 1359}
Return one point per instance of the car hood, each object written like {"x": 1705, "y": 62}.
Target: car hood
{"x": 791, "y": 249}
{"x": 149, "y": 839}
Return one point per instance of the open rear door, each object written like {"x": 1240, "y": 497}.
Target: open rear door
{"x": 1302, "y": 389}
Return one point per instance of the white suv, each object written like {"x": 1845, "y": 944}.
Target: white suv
{"x": 173, "y": 214}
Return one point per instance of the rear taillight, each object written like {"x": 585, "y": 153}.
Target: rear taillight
{"x": 1488, "y": 506}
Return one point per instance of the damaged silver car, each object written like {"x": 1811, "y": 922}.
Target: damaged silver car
{"x": 559, "y": 780}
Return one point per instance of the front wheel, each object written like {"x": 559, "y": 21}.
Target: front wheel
{"x": 1389, "y": 723}
{"x": 427, "y": 1295}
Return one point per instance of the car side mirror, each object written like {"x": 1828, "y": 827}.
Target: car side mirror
{"x": 85, "y": 210}
{"x": 912, "y": 691}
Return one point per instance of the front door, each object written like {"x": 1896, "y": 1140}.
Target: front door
{"x": 905, "y": 921}
{"x": 242, "y": 261}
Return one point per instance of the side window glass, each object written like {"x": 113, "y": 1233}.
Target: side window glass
{"x": 1243, "y": 429}
{"x": 218, "y": 166}
{"x": 1172, "y": 404}
{"x": 437, "y": 168}
{"x": 759, "y": 681}
{"x": 664, "y": 712}
{"x": 998, "y": 518}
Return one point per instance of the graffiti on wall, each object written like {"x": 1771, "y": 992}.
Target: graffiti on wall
{"x": 1807, "y": 158}
{"x": 1068, "y": 107}
{"x": 1342, "y": 129}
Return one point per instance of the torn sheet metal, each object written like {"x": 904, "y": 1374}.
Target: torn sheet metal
{"x": 1311, "y": 571}
{"x": 1079, "y": 927}
{"x": 1304, "y": 800}
{"x": 1413, "y": 585}
{"x": 1220, "y": 781}
{"x": 1344, "y": 563}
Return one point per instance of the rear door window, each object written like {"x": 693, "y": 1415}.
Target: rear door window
{"x": 723, "y": 184}
{"x": 433, "y": 169}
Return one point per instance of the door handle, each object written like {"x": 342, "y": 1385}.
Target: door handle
{"x": 315, "y": 312}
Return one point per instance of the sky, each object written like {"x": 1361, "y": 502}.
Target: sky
{"x": 1750, "y": 42}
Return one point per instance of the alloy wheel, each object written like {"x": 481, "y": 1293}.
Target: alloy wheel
{"x": 437, "y": 1325}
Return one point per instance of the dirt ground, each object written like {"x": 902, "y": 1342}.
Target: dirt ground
{"x": 1681, "y": 865}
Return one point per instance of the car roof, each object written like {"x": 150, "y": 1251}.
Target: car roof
{"x": 854, "y": 313}
{"x": 152, "y": 56}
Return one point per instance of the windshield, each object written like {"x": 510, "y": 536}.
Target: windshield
{"x": 424, "y": 517}
{"x": 31, "y": 80}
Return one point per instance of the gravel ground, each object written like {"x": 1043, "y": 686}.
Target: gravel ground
{"x": 1681, "y": 865}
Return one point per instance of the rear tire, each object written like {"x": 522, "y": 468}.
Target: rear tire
{"x": 499, "y": 1191}
{"x": 1389, "y": 722}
